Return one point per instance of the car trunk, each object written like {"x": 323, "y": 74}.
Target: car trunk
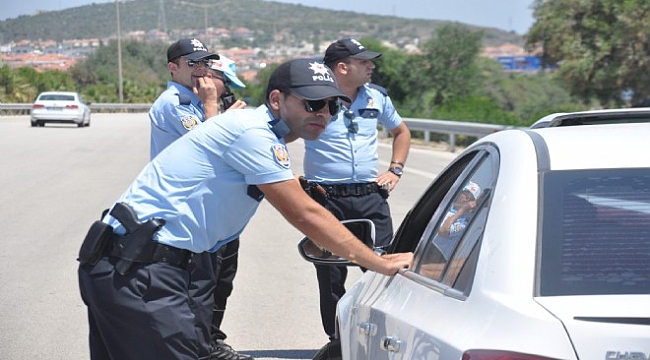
{"x": 604, "y": 326}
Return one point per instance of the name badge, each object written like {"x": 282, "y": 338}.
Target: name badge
{"x": 369, "y": 113}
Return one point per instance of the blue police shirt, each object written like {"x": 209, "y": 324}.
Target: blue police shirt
{"x": 199, "y": 183}
{"x": 340, "y": 156}
{"x": 170, "y": 119}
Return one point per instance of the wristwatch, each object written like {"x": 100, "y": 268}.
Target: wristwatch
{"x": 396, "y": 170}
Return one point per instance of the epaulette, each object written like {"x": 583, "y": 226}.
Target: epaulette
{"x": 381, "y": 89}
{"x": 184, "y": 99}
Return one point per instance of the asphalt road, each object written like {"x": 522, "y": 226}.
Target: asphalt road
{"x": 56, "y": 180}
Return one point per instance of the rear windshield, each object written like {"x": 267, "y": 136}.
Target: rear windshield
{"x": 59, "y": 97}
{"x": 595, "y": 233}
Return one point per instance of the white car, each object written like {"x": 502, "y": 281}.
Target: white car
{"x": 532, "y": 244}
{"x": 60, "y": 107}
{"x": 594, "y": 117}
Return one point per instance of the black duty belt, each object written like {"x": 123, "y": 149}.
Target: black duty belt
{"x": 353, "y": 189}
{"x": 155, "y": 252}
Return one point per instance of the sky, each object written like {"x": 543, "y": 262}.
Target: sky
{"x": 509, "y": 15}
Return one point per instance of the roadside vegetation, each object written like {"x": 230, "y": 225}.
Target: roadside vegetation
{"x": 600, "y": 54}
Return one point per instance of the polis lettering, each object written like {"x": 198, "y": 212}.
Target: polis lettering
{"x": 325, "y": 77}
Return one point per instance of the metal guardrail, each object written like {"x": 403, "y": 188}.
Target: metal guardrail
{"x": 427, "y": 126}
{"x": 24, "y": 109}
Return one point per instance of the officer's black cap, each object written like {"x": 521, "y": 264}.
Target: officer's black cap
{"x": 309, "y": 79}
{"x": 192, "y": 49}
{"x": 344, "y": 48}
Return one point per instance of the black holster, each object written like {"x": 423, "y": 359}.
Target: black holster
{"x": 314, "y": 190}
{"x": 138, "y": 235}
{"x": 96, "y": 243}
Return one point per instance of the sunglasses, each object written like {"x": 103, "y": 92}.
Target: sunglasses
{"x": 312, "y": 106}
{"x": 353, "y": 127}
{"x": 193, "y": 63}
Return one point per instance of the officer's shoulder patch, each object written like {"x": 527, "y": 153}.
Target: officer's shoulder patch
{"x": 281, "y": 155}
{"x": 189, "y": 121}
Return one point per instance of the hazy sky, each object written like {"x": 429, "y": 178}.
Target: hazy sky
{"x": 507, "y": 15}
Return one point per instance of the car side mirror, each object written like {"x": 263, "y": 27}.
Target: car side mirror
{"x": 311, "y": 251}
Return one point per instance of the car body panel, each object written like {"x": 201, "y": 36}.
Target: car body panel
{"x": 591, "y": 321}
{"x": 415, "y": 316}
{"x": 481, "y": 322}
{"x": 60, "y": 107}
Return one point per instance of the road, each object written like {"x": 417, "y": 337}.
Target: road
{"x": 54, "y": 183}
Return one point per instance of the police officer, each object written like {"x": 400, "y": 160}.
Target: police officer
{"x": 344, "y": 159}
{"x": 195, "y": 93}
{"x": 224, "y": 75}
{"x": 190, "y": 97}
{"x": 133, "y": 273}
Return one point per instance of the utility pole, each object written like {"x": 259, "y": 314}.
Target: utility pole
{"x": 119, "y": 53}
{"x": 162, "y": 20}
{"x": 205, "y": 8}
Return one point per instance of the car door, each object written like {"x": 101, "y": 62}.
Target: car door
{"x": 408, "y": 316}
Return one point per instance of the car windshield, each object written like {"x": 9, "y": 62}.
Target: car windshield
{"x": 595, "y": 233}
{"x": 58, "y": 97}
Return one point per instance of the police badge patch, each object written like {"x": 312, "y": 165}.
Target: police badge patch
{"x": 189, "y": 121}
{"x": 281, "y": 155}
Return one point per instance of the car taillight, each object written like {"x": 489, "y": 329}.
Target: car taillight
{"x": 38, "y": 106}
{"x": 72, "y": 106}
{"x": 500, "y": 355}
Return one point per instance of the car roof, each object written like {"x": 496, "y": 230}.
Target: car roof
{"x": 58, "y": 92}
{"x": 579, "y": 147}
{"x": 594, "y": 117}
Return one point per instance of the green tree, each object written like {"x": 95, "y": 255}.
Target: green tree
{"x": 447, "y": 66}
{"x": 144, "y": 72}
{"x": 602, "y": 47}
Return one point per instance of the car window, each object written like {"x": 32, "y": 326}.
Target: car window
{"x": 451, "y": 237}
{"x": 57, "y": 97}
{"x": 410, "y": 231}
{"x": 596, "y": 232}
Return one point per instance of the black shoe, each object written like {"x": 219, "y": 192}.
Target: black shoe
{"x": 223, "y": 351}
{"x": 329, "y": 351}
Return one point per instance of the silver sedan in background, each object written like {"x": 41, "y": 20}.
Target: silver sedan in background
{"x": 532, "y": 244}
{"x": 60, "y": 107}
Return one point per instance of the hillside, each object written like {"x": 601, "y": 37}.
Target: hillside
{"x": 269, "y": 21}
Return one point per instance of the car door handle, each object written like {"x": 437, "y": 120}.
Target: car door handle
{"x": 391, "y": 344}
{"x": 367, "y": 329}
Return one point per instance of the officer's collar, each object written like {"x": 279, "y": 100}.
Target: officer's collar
{"x": 278, "y": 126}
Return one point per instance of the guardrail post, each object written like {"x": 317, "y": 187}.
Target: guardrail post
{"x": 427, "y": 137}
{"x": 452, "y": 142}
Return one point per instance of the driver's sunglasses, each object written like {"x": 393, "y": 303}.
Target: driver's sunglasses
{"x": 193, "y": 63}
{"x": 334, "y": 106}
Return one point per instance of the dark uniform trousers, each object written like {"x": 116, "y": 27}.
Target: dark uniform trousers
{"x": 225, "y": 269}
{"x": 331, "y": 279}
{"x": 152, "y": 312}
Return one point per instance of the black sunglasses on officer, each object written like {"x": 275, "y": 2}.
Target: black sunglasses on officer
{"x": 312, "y": 106}
{"x": 193, "y": 63}
{"x": 353, "y": 127}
